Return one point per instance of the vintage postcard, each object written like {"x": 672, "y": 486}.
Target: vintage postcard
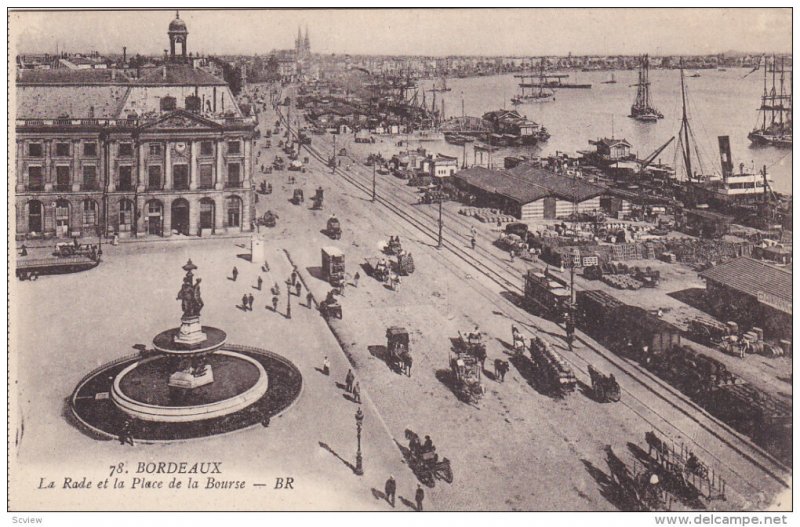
{"x": 400, "y": 260}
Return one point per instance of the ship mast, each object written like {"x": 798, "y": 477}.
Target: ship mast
{"x": 764, "y": 98}
{"x": 782, "y": 97}
{"x": 687, "y": 154}
{"x": 772, "y": 94}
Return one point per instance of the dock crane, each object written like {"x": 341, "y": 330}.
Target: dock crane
{"x": 649, "y": 159}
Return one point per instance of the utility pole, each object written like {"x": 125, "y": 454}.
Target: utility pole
{"x": 373, "y": 181}
{"x": 333, "y": 157}
{"x": 439, "y": 245}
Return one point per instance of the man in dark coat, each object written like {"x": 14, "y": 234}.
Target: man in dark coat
{"x": 390, "y": 488}
{"x": 349, "y": 378}
{"x": 235, "y": 273}
{"x": 245, "y": 302}
{"x": 419, "y": 496}
{"x": 250, "y": 301}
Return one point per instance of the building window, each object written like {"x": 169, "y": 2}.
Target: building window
{"x": 154, "y": 177}
{"x": 90, "y": 149}
{"x": 89, "y": 177}
{"x": 206, "y": 213}
{"x": 168, "y": 103}
{"x": 234, "y": 147}
{"x": 207, "y": 176}
{"x": 63, "y": 183}
{"x": 35, "y": 149}
{"x": 89, "y": 213}
{"x": 234, "y": 211}
{"x": 155, "y": 149}
{"x": 206, "y": 148}
{"x": 62, "y": 149}
{"x": 193, "y": 104}
{"x": 125, "y": 215}
{"x": 180, "y": 177}
{"x": 125, "y": 178}
{"x": 125, "y": 149}
{"x": 234, "y": 175}
{"x": 35, "y": 178}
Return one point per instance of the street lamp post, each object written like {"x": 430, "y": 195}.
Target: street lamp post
{"x": 359, "y": 422}
{"x": 288, "y": 300}
{"x": 373, "y": 181}
{"x": 333, "y": 157}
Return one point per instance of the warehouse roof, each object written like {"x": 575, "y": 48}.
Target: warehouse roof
{"x": 769, "y": 284}
{"x": 71, "y": 77}
{"x": 564, "y": 187}
{"x": 503, "y": 183}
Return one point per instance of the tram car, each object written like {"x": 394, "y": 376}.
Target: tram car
{"x": 546, "y": 295}
{"x": 333, "y": 266}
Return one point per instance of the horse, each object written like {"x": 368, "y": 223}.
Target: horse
{"x": 406, "y": 362}
{"x": 654, "y": 443}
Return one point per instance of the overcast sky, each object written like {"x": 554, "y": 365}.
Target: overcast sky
{"x": 416, "y": 31}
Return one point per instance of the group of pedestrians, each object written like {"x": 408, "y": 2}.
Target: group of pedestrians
{"x": 390, "y": 491}
{"x": 294, "y": 286}
{"x": 354, "y": 389}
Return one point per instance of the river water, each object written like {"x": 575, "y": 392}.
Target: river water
{"x": 720, "y": 103}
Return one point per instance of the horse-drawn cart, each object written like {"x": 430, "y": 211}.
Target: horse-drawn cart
{"x": 551, "y": 370}
{"x": 378, "y": 268}
{"x": 425, "y": 463}
{"x": 399, "y": 349}
{"x": 334, "y": 228}
{"x": 604, "y": 387}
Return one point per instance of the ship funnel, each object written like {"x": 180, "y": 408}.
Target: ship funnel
{"x": 725, "y": 157}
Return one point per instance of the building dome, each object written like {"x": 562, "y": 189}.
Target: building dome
{"x": 177, "y": 25}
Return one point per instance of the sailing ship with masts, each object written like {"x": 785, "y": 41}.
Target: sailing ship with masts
{"x": 642, "y": 108}
{"x": 440, "y": 85}
{"x": 537, "y": 91}
{"x": 774, "y": 126}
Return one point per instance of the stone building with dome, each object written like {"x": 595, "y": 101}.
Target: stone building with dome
{"x": 166, "y": 154}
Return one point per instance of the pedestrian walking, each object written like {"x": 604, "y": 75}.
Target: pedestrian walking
{"x": 356, "y": 278}
{"x": 294, "y": 277}
{"x": 235, "y": 273}
{"x": 259, "y": 281}
{"x": 348, "y": 380}
{"x": 357, "y": 393}
{"x": 473, "y": 243}
{"x": 390, "y": 488}
{"x": 326, "y": 366}
{"x": 265, "y": 268}
{"x": 419, "y": 496}
{"x": 245, "y": 302}
{"x": 275, "y": 303}
{"x": 511, "y": 253}
{"x": 298, "y": 287}
{"x": 309, "y": 299}
{"x": 250, "y": 301}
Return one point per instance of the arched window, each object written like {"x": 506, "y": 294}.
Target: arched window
{"x": 234, "y": 206}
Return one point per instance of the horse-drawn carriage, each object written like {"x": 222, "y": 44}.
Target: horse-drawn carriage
{"x": 467, "y": 364}
{"x": 405, "y": 263}
{"x": 330, "y": 307}
{"x": 297, "y": 196}
{"x": 552, "y": 371}
{"x": 604, "y": 387}
{"x": 424, "y": 461}
{"x": 393, "y": 246}
{"x": 278, "y": 163}
{"x": 317, "y": 199}
{"x": 378, "y": 268}
{"x": 268, "y": 219}
{"x": 398, "y": 347}
{"x": 334, "y": 228}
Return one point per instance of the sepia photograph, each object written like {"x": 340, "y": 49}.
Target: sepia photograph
{"x": 401, "y": 260}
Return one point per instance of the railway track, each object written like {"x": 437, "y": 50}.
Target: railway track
{"x": 498, "y": 271}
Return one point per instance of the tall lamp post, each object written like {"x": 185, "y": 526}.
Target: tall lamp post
{"x": 359, "y": 422}
{"x": 439, "y": 244}
{"x": 333, "y": 157}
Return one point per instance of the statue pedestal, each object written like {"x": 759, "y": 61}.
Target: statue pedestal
{"x": 188, "y": 380}
{"x": 191, "y": 332}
